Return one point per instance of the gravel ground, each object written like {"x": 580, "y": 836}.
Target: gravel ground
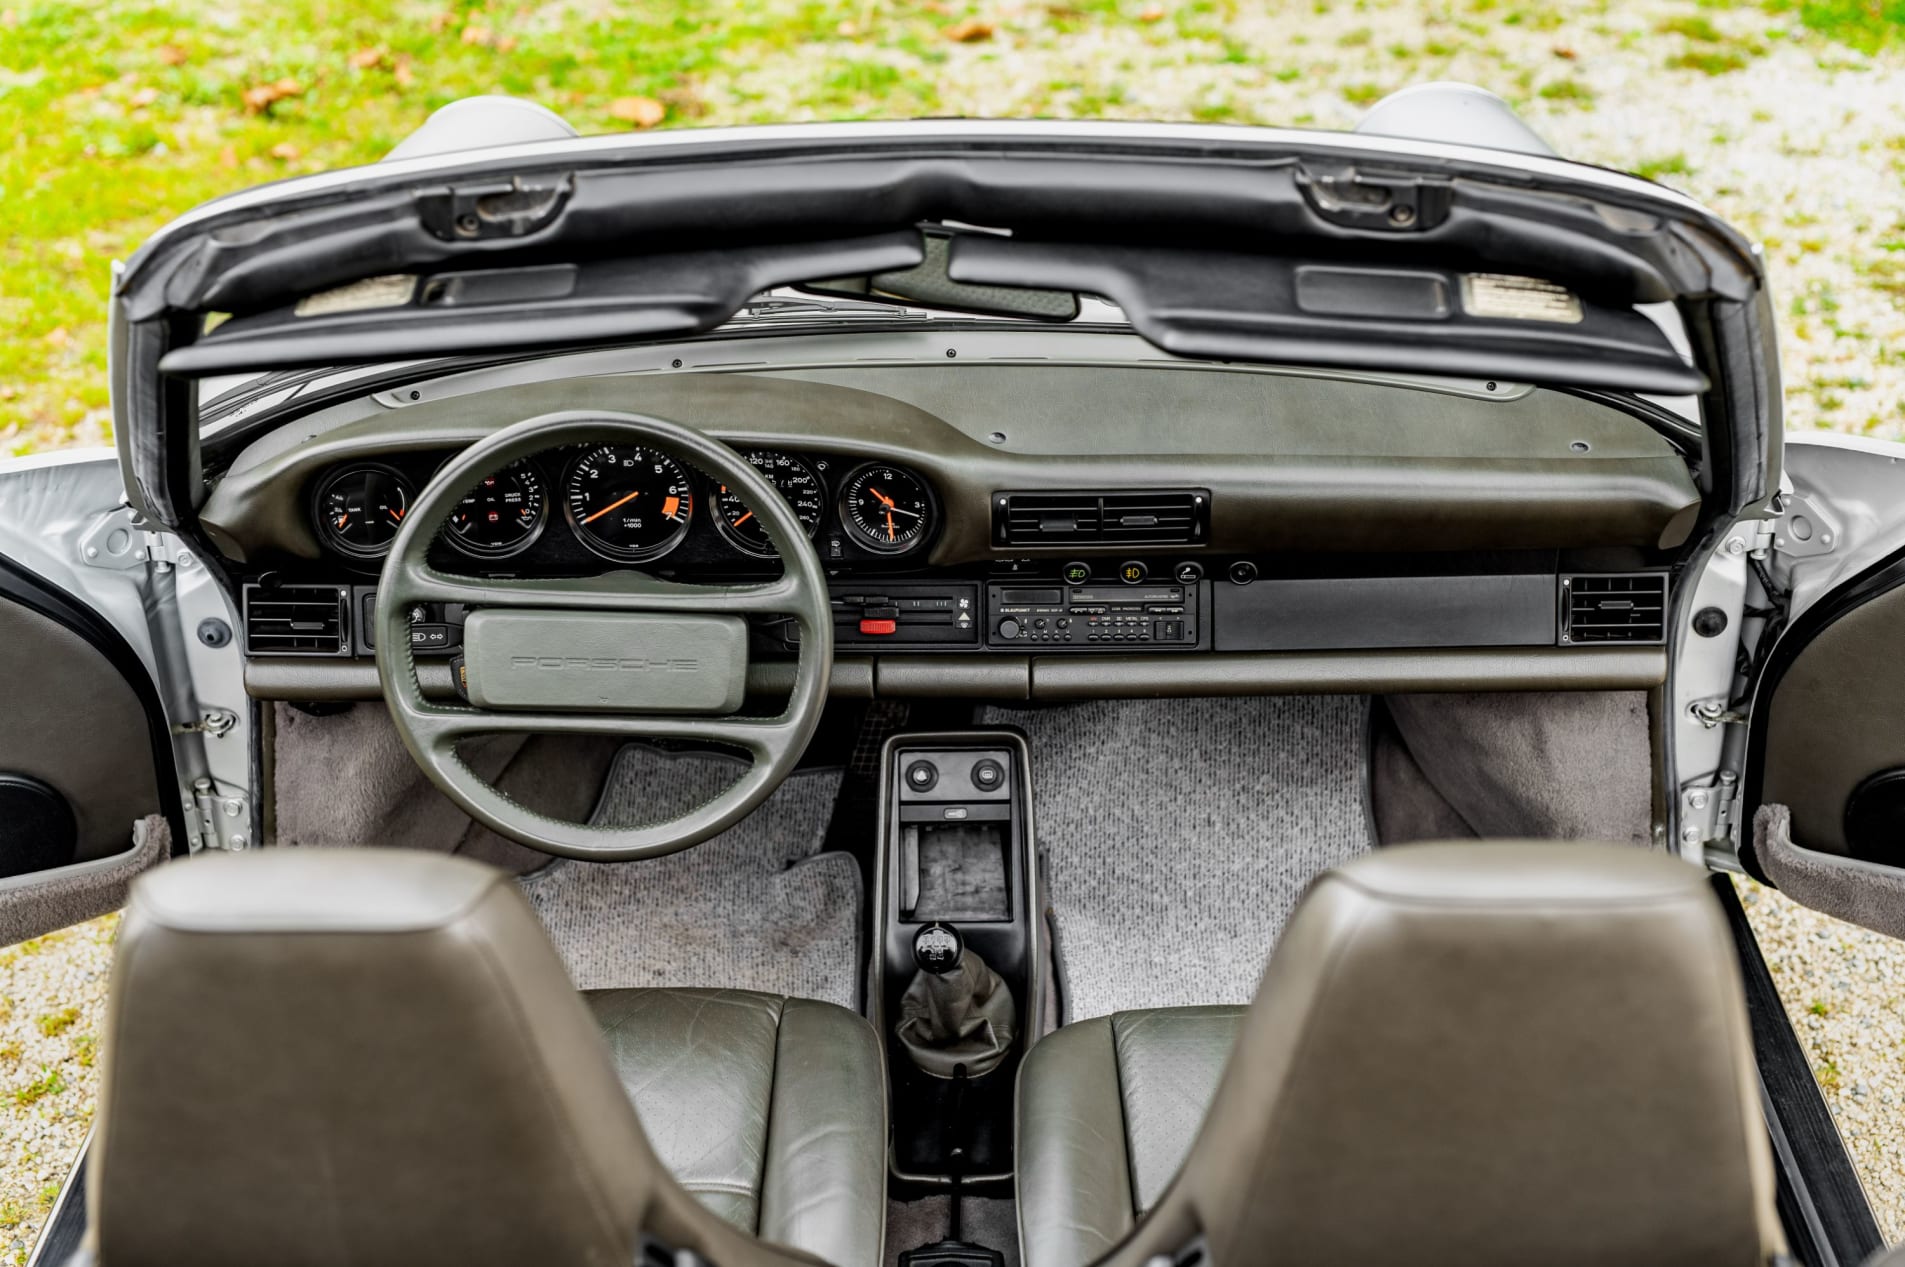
{"x": 1799, "y": 141}
{"x": 52, "y": 999}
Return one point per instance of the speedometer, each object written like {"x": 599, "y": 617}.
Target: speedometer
{"x": 501, "y": 515}
{"x": 794, "y": 479}
{"x": 628, "y": 503}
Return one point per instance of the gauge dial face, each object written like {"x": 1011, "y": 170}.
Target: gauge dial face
{"x": 886, "y": 508}
{"x": 501, "y": 515}
{"x": 628, "y": 503}
{"x": 794, "y": 479}
{"x": 360, "y": 508}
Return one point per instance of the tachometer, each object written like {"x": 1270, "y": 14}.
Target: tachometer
{"x": 501, "y": 515}
{"x": 360, "y": 508}
{"x": 795, "y": 480}
{"x": 628, "y": 503}
{"x": 887, "y": 509}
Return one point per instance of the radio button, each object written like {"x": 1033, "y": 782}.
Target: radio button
{"x": 1008, "y": 628}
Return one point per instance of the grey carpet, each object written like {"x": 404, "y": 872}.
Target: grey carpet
{"x": 758, "y": 907}
{"x": 988, "y": 1221}
{"x": 1178, "y": 834}
{"x": 1554, "y": 765}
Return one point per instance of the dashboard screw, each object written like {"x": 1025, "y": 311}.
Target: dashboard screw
{"x": 676, "y": 363}
{"x": 214, "y": 632}
{"x": 952, "y": 352}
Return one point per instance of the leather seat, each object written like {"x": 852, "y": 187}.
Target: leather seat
{"x": 375, "y": 1057}
{"x": 1479, "y": 1054}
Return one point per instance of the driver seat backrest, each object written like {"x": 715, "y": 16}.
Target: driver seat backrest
{"x": 1487, "y": 1055}
{"x": 367, "y": 1057}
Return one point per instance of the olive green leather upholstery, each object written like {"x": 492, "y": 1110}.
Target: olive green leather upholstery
{"x": 771, "y": 1111}
{"x": 1484, "y": 1055}
{"x": 316, "y": 1057}
{"x": 1107, "y": 1110}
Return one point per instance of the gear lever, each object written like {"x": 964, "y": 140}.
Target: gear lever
{"x": 957, "y": 1018}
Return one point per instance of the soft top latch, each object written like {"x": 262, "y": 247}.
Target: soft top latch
{"x": 494, "y": 209}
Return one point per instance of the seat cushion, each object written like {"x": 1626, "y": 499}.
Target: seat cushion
{"x": 771, "y": 1111}
{"x": 1107, "y": 1111}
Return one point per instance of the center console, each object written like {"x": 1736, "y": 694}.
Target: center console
{"x": 956, "y": 860}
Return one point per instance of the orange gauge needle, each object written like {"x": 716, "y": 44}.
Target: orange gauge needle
{"x": 884, "y": 499}
{"x": 342, "y": 521}
{"x": 612, "y": 505}
{"x": 890, "y": 534}
{"x": 743, "y": 519}
{"x": 397, "y": 515}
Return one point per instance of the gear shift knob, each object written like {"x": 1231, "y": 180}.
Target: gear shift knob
{"x": 937, "y": 949}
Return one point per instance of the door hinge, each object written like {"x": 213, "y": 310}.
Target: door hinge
{"x": 1708, "y": 811}
{"x": 224, "y": 822}
{"x": 121, "y": 539}
{"x": 1716, "y": 710}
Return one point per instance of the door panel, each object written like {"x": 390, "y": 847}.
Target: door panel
{"x": 88, "y": 785}
{"x": 76, "y": 731}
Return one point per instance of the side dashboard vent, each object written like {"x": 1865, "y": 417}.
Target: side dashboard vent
{"x": 1626, "y": 608}
{"x": 297, "y": 620}
{"x": 1142, "y": 517}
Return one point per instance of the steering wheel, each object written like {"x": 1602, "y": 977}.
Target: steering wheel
{"x": 623, "y": 654}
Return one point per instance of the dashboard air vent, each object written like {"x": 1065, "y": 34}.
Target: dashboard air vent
{"x": 296, "y": 620}
{"x": 1627, "y": 608}
{"x": 1164, "y": 517}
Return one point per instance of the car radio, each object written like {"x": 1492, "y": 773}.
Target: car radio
{"x": 1031, "y": 614}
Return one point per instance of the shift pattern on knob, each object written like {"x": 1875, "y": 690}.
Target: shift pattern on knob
{"x": 937, "y": 948}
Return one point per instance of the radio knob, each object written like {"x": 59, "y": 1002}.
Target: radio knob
{"x": 1008, "y": 628}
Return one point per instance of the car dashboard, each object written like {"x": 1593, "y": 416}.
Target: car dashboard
{"x": 1016, "y": 531}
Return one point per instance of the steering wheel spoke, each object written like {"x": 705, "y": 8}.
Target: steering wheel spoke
{"x": 432, "y": 731}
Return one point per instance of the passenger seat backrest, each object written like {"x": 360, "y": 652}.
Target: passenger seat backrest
{"x": 1488, "y": 1054}
{"x": 367, "y": 1057}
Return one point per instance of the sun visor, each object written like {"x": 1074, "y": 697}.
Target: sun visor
{"x": 1403, "y": 318}
{"x": 404, "y": 315}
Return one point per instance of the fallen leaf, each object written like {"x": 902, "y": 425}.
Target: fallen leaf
{"x": 173, "y": 55}
{"x": 971, "y": 31}
{"x": 403, "y": 74}
{"x": 476, "y": 35}
{"x": 506, "y": 45}
{"x": 57, "y": 336}
{"x": 1565, "y": 53}
{"x": 848, "y": 29}
{"x": 143, "y": 97}
{"x": 1152, "y": 13}
{"x": 441, "y": 20}
{"x": 285, "y": 152}
{"x": 9, "y": 17}
{"x": 367, "y": 58}
{"x": 228, "y": 157}
{"x": 643, "y": 112}
{"x": 261, "y": 97}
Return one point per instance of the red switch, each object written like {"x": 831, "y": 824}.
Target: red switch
{"x": 879, "y": 626}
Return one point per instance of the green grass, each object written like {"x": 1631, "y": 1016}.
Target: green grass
{"x": 117, "y": 115}
{"x": 1867, "y": 25}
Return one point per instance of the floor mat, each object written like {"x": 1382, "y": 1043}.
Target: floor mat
{"x": 989, "y": 1221}
{"x": 758, "y": 907}
{"x": 1178, "y": 834}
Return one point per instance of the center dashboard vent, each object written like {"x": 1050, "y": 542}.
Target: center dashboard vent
{"x": 1124, "y": 517}
{"x": 1627, "y": 608}
{"x": 304, "y": 620}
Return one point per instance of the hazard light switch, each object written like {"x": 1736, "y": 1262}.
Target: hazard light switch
{"x": 879, "y": 626}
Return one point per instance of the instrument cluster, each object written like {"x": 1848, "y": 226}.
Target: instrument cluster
{"x": 568, "y": 511}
